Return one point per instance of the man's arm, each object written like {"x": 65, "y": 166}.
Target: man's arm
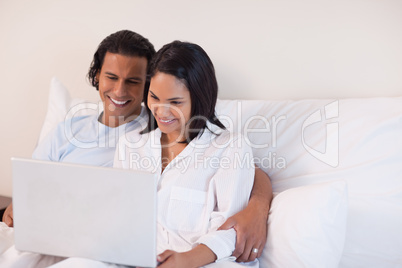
{"x": 251, "y": 223}
{"x": 8, "y": 216}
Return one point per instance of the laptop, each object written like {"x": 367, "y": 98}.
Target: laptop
{"x": 72, "y": 210}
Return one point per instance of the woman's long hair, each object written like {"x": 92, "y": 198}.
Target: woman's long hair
{"x": 190, "y": 64}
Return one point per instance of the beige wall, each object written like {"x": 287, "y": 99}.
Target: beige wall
{"x": 287, "y": 49}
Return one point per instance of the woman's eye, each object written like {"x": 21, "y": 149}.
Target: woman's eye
{"x": 176, "y": 102}
{"x": 154, "y": 97}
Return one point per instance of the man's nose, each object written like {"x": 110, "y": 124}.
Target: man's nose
{"x": 120, "y": 89}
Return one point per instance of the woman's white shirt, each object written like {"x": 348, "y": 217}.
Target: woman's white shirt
{"x": 209, "y": 181}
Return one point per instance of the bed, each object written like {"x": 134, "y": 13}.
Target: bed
{"x": 335, "y": 167}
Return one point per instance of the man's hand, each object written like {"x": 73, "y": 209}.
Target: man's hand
{"x": 251, "y": 228}
{"x": 251, "y": 223}
{"x": 8, "y": 216}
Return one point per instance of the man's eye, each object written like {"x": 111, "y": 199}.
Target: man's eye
{"x": 133, "y": 82}
{"x": 112, "y": 77}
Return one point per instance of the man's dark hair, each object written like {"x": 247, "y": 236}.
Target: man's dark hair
{"x": 124, "y": 42}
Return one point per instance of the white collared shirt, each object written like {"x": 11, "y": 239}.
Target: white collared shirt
{"x": 209, "y": 181}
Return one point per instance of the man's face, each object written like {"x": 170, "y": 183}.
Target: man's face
{"x": 121, "y": 87}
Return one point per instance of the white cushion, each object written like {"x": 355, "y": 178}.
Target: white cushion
{"x": 306, "y": 227}
{"x": 356, "y": 140}
{"x": 6, "y": 237}
{"x": 57, "y": 107}
{"x": 374, "y": 233}
{"x": 61, "y": 106}
{"x": 364, "y": 139}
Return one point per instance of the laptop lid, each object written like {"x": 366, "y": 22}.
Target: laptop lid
{"x": 99, "y": 213}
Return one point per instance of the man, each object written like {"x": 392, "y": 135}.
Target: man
{"x": 119, "y": 72}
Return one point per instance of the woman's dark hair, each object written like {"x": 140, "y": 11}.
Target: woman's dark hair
{"x": 124, "y": 42}
{"x": 191, "y": 65}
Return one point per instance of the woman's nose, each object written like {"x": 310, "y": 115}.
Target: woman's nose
{"x": 163, "y": 110}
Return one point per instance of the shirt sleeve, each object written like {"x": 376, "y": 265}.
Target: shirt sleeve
{"x": 49, "y": 148}
{"x": 233, "y": 183}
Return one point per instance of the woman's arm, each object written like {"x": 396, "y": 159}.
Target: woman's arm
{"x": 251, "y": 223}
{"x": 198, "y": 256}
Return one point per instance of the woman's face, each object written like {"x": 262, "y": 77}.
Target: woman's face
{"x": 170, "y": 103}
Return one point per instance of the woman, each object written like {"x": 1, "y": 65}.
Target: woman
{"x": 206, "y": 173}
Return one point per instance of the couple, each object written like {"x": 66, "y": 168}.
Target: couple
{"x": 179, "y": 88}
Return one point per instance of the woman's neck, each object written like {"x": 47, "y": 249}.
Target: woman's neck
{"x": 173, "y": 138}
{"x": 170, "y": 148}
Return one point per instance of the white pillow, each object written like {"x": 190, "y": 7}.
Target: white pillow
{"x": 6, "y": 237}
{"x": 357, "y": 140}
{"x": 374, "y": 231}
{"x": 306, "y": 227}
{"x": 57, "y": 107}
{"x": 61, "y": 106}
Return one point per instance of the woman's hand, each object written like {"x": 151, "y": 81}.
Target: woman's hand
{"x": 198, "y": 256}
{"x": 170, "y": 258}
{"x": 8, "y": 217}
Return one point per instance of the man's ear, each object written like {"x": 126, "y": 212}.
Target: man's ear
{"x": 97, "y": 80}
{"x": 97, "y": 77}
